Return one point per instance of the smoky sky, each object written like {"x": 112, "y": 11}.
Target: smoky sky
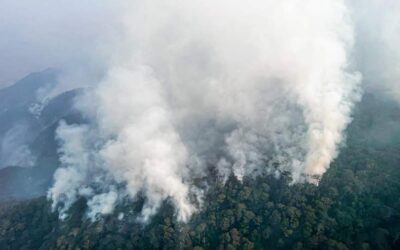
{"x": 72, "y": 35}
{"x": 36, "y": 35}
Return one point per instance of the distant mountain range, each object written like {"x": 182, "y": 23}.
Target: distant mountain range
{"x": 29, "y": 116}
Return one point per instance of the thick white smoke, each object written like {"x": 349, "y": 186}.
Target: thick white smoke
{"x": 132, "y": 142}
{"x": 262, "y": 86}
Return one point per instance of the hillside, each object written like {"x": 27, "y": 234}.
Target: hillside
{"x": 29, "y": 118}
{"x": 356, "y": 206}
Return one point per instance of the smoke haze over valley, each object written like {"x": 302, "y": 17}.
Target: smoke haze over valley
{"x": 152, "y": 97}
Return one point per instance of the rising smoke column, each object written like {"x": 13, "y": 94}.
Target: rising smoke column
{"x": 132, "y": 142}
{"x": 251, "y": 87}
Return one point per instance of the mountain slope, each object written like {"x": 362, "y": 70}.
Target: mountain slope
{"x": 28, "y": 150}
{"x": 356, "y": 206}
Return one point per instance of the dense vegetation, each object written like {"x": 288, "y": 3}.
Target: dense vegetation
{"x": 356, "y": 206}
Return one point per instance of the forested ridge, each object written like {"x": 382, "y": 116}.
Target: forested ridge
{"x": 355, "y": 206}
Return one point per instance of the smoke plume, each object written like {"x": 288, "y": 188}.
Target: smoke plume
{"x": 259, "y": 87}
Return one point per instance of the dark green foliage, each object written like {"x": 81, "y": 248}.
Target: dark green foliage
{"x": 355, "y": 206}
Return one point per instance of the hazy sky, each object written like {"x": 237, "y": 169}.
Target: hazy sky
{"x": 35, "y": 35}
